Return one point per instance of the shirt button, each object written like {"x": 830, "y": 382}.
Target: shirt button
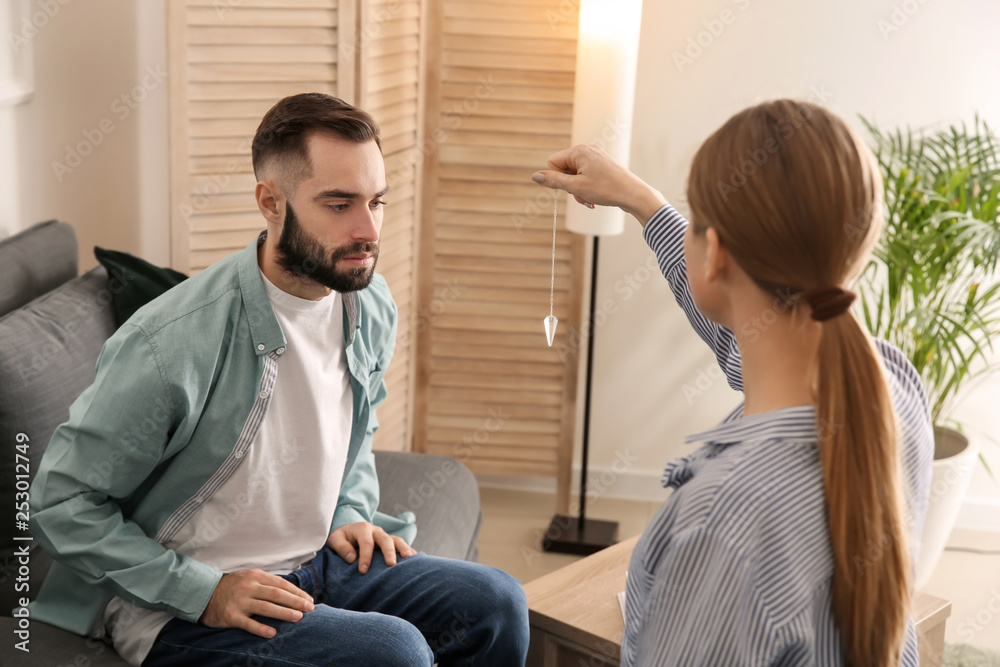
{"x": 239, "y": 455}
{"x": 261, "y": 346}
{"x": 263, "y": 394}
{"x": 281, "y": 350}
{"x": 199, "y": 500}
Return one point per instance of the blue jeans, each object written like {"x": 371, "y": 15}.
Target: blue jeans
{"x": 421, "y": 610}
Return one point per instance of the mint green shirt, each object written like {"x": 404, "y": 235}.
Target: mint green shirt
{"x": 180, "y": 392}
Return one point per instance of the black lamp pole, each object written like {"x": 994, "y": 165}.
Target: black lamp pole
{"x": 579, "y": 535}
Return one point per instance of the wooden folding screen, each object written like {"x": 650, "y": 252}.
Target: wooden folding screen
{"x": 499, "y": 101}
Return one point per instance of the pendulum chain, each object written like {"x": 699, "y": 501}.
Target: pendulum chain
{"x": 551, "y": 321}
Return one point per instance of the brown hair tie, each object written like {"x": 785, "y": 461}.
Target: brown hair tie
{"x": 828, "y": 302}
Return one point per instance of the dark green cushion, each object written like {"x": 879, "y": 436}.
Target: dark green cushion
{"x": 138, "y": 281}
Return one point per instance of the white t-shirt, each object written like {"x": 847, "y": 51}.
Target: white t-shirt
{"x": 274, "y": 512}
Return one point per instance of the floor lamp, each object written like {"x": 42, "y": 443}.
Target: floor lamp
{"x": 603, "y": 102}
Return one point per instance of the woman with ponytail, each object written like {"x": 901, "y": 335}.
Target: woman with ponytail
{"x": 791, "y": 533}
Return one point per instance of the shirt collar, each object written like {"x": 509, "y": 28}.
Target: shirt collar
{"x": 794, "y": 423}
{"x": 264, "y": 328}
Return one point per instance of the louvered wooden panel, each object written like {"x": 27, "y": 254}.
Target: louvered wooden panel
{"x": 229, "y": 63}
{"x": 499, "y": 101}
{"x": 388, "y": 54}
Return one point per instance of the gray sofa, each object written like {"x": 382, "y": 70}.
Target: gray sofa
{"x": 52, "y": 326}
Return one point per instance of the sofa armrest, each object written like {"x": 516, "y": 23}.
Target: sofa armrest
{"x": 35, "y": 261}
{"x": 441, "y": 492}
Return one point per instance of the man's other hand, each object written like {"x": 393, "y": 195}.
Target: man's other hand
{"x": 240, "y": 595}
{"x": 365, "y": 536}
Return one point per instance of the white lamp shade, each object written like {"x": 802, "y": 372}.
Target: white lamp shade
{"x": 604, "y": 98}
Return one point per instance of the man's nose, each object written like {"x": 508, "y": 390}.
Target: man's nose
{"x": 367, "y": 226}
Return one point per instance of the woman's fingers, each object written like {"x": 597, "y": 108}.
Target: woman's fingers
{"x": 586, "y": 172}
{"x": 594, "y": 177}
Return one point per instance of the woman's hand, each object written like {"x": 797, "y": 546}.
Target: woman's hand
{"x": 593, "y": 177}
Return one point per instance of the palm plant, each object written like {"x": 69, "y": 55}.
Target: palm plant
{"x": 932, "y": 287}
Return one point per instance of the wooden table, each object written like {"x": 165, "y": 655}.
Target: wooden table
{"x": 575, "y": 616}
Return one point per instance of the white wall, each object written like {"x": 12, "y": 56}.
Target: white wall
{"x": 16, "y": 82}
{"x": 941, "y": 64}
{"x": 90, "y": 145}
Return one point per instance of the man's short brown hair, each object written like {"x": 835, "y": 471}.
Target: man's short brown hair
{"x": 283, "y": 132}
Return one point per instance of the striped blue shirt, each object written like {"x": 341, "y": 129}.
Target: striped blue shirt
{"x": 736, "y": 568}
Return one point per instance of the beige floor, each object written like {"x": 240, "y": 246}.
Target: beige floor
{"x": 514, "y": 522}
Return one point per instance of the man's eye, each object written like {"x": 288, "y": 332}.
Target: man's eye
{"x": 378, "y": 203}
{"x": 338, "y": 207}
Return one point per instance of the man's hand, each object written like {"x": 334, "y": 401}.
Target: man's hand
{"x": 240, "y": 595}
{"x": 365, "y": 536}
{"x": 593, "y": 177}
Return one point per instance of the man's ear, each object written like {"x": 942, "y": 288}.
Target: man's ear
{"x": 716, "y": 256}
{"x": 270, "y": 201}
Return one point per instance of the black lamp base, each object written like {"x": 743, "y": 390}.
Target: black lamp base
{"x": 565, "y": 535}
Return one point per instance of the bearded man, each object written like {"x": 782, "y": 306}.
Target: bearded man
{"x": 237, "y": 521}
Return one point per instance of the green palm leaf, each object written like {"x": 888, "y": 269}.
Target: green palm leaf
{"x": 931, "y": 287}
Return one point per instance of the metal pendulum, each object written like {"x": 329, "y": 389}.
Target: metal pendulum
{"x": 551, "y": 322}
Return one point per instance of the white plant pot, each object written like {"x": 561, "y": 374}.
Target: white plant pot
{"x": 954, "y": 462}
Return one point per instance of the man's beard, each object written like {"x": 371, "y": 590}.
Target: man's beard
{"x": 303, "y": 257}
